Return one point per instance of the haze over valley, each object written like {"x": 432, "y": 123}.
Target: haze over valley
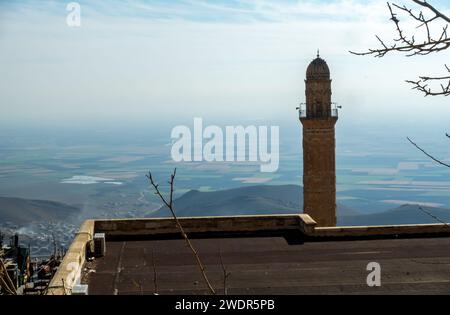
{"x": 79, "y": 174}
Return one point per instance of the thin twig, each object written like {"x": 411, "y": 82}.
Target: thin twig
{"x": 427, "y": 154}
{"x": 5, "y": 286}
{"x": 225, "y": 274}
{"x": 64, "y": 286}
{"x": 434, "y": 217}
{"x": 6, "y": 279}
{"x": 409, "y": 45}
{"x": 169, "y": 205}
{"x": 433, "y": 9}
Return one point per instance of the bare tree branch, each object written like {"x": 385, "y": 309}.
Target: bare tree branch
{"x": 408, "y": 44}
{"x": 5, "y": 280}
{"x": 169, "y": 205}
{"x": 422, "y": 86}
{"x": 225, "y": 274}
{"x": 433, "y": 9}
{"x": 4, "y": 285}
{"x": 434, "y": 217}
{"x": 64, "y": 286}
{"x": 427, "y": 154}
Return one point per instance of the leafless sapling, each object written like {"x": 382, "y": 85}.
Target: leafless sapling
{"x": 226, "y": 274}
{"x": 169, "y": 204}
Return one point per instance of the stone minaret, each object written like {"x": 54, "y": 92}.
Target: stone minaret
{"x": 319, "y": 162}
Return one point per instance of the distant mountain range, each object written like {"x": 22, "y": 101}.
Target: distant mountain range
{"x": 24, "y": 211}
{"x": 239, "y": 201}
{"x": 406, "y": 214}
{"x": 251, "y": 200}
{"x": 288, "y": 199}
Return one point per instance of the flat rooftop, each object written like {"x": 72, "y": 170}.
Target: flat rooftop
{"x": 269, "y": 263}
{"x": 263, "y": 255}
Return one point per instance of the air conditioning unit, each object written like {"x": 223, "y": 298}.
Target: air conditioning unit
{"x": 99, "y": 244}
{"x": 80, "y": 289}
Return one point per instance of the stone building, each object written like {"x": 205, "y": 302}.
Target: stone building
{"x": 319, "y": 164}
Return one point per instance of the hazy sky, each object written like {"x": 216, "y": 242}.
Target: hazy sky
{"x": 241, "y": 59}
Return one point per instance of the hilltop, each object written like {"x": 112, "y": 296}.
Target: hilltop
{"x": 288, "y": 199}
{"x": 252, "y": 200}
{"x": 405, "y": 214}
{"x": 24, "y": 211}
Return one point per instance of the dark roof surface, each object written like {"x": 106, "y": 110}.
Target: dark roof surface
{"x": 272, "y": 265}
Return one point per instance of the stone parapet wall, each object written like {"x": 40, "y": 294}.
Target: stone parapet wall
{"x": 69, "y": 271}
{"x": 142, "y": 227}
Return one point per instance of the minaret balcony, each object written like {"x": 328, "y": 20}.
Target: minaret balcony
{"x": 303, "y": 112}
